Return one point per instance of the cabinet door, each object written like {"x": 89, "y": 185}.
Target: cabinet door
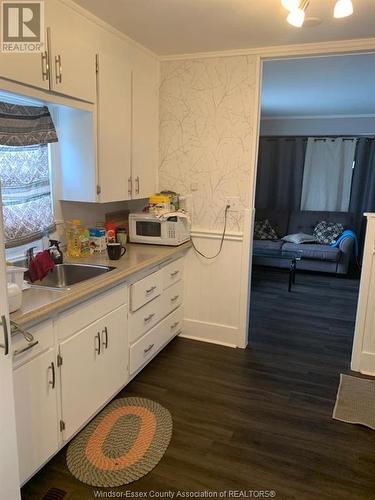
{"x": 36, "y": 412}
{"x": 114, "y": 128}
{"x": 29, "y": 69}
{"x": 145, "y": 147}
{"x": 94, "y": 367}
{"x": 72, "y": 52}
{"x": 80, "y": 392}
{"x": 115, "y": 353}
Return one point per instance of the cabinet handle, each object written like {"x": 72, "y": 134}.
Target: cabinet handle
{"x": 105, "y": 343}
{"x": 149, "y": 317}
{"x": 53, "y": 381}
{"x": 148, "y": 348}
{"x": 130, "y": 186}
{"x": 175, "y": 325}
{"x": 58, "y": 69}
{"x": 17, "y": 352}
{"x": 98, "y": 348}
{"x": 151, "y": 289}
{"x": 137, "y": 185}
{"x": 45, "y": 65}
{"x": 174, "y": 273}
{"x": 5, "y": 346}
{"x": 173, "y": 299}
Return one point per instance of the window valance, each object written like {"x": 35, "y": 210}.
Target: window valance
{"x": 25, "y": 125}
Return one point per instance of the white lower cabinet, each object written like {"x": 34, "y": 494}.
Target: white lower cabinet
{"x": 94, "y": 367}
{"x": 35, "y": 389}
{"x": 78, "y": 360}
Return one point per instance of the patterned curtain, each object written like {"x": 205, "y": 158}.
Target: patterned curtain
{"x": 26, "y": 192}
{"x": 25, "y": 125}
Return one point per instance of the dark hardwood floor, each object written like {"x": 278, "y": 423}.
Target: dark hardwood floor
{"x": 260, "y": 418}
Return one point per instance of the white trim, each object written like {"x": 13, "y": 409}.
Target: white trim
{"x": 214, "y": 333}
{"x": 108, "y": 27}
{"x": 216, "y": 235}
{"x": 282, "y": 51}
{"x": 314, "y": 117}
{"x": 207, "y": 341}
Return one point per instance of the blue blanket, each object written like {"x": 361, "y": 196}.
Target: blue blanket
{"x": 347, "y": 234}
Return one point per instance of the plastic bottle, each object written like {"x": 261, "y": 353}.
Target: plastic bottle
{"x": 73, "y": 238}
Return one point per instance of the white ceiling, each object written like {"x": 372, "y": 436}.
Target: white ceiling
{"x": 319, "y": 86}
{"x": 186, "y": 26}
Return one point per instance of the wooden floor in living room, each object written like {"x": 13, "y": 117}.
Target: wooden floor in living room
{"x": 260, "y": 418}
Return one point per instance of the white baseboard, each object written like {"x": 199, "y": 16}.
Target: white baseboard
{"x": 210, "y": 332}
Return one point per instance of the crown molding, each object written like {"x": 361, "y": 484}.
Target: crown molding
{"x": 305, "y": 49}
{"x": 108, "y": 27}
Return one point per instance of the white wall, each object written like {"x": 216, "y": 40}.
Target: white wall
{"x": 318, "y": 126}
{"x": 208, "y": 134}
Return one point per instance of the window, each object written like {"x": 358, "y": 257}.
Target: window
{"x": 26, "y": 192}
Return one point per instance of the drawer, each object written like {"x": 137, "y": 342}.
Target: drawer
{"x": 145, "y": 318}
{"x": 145, "y": 290}
{"x": 150, "y": 344}
{"x": 172, "y": 298}
{"x": 23, "y": 351}
{"x": 80, "y": 316}
{"x": 172, "y": 273}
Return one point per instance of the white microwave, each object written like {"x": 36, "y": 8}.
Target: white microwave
{"x": 148, "y": 228}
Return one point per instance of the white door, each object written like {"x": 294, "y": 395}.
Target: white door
{"x": 363, "y": 359}
{"x": 36, "y": 412}
{"x": 9, "y": 476}
{"x": 80, "y": 386}
{"x": 114, "y": 362}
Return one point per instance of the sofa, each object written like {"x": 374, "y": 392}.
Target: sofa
{"x": 315, "y": 257}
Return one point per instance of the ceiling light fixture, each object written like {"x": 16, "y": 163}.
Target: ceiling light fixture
{"x": 290, "y": 4}
{"x": 296, "y": 16}
{"x": 343, "y": 8}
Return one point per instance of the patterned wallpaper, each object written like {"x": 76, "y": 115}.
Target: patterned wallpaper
{"x": 206, "y": 119}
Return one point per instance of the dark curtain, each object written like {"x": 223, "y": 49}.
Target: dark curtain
{"x": 362, "y": 197}
{"x": 280, "y": 173}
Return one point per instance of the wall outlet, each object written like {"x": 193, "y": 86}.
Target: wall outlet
{"x": 234, "y": 202}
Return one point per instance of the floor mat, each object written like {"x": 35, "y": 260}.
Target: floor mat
{"x": 355, "y": 403}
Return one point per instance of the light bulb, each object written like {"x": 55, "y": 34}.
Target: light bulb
{"x": 343, "y": 8}
{"x": 290, "y": 4}
{"x": 296, "y": 18}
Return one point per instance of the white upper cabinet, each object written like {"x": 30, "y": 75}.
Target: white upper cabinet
{"x": 71, "y": 52}
{"x": 114, "y": 127}
{"x": 145, "y": 141}
{"x": 30, "y": 69}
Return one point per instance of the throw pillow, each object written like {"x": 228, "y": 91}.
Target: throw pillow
{"x": 264, "y": 230}
{"x": 299, "y": 238}
{"x": 327, "y": 233}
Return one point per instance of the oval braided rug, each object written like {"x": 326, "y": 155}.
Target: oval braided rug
{"x": 122, "y": 444}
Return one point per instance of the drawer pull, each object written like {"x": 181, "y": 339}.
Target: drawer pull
{"x": 105, "y": 341}
{"x": 174, "y": 273}
{"x": 17, "y": 329}
{"x": 148, "y": 348}
{"x": 149, "y": 290}
{"x": 173, "y": 299}
{"x": 17, "y": 352}
{"x": 53, "y": 381}
{"x": 149, "y": 317}
{"x": 175, "y": 325}
{"x": 98, "y": 348}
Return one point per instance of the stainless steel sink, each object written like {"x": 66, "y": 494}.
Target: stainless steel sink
{"x": 65, "y": 275}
